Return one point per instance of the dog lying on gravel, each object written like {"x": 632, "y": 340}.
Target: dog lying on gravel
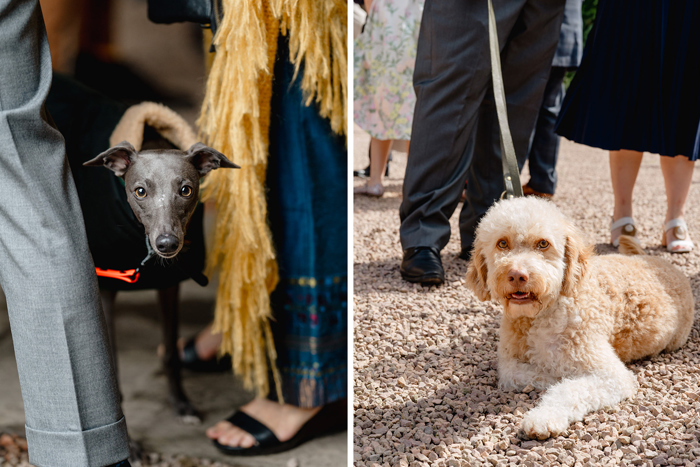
{"x": 572, "y": 318}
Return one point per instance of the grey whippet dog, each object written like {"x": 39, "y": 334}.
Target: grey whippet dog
{"x": 162, "y": 187}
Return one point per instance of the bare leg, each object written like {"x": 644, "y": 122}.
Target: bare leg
{"x": 624, "y": 167}
{"x": 379, "y": 156}
{"x": 678, "y": 175}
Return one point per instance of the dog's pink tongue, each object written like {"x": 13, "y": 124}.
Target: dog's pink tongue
{"x": 520, "y": 295}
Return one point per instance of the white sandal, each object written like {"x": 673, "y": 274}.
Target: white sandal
{"x": 682, "y": 244}
{"x": 374, "y": 191}
{"x": 628, "y": 229}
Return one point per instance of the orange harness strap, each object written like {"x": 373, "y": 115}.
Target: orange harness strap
{"x": 130, "y": 275}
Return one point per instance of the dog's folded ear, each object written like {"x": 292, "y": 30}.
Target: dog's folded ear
{"x": 477, "y": 272}
{"x": 576, "y": 254}
{"x": 117, "y": 159}
{"x": 206, "y": 159}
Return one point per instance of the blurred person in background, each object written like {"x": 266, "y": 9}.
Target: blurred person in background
{"x": 544, "y": 149}
{"x": 455, "y": 130}
{"x": 638, "y": 90}
{"x": 384, "y": 99}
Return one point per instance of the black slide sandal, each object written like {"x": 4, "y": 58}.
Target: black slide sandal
{"x": 332, "y": 418}
{"x": 191, "y": 361}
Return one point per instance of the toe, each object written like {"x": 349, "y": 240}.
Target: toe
{"x": 235, "y": 437}
{"x": 215, "y": 431}
{"x": 247, "y": 441}
{"x": 229, "y": 437}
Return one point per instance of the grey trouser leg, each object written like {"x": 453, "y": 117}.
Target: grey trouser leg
{"x": 544, "y": 148}
{"x": 452, "y": 77}
{"x": 72, "y": 410}
{"x": 526, "y": 62}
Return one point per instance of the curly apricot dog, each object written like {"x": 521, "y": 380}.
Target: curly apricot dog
{"x": 572, "y": 318}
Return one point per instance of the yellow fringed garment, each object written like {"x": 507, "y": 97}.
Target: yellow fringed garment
{"x": 235, "y": 120}
{"x": 318, "y": 40}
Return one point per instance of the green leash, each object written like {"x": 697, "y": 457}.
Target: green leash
{"x": 511, "y": 173}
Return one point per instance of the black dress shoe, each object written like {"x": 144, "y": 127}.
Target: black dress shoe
{"x": 190, "y": 360}
{"x": 364, "y": 173}
{"x": 422, "y": 264}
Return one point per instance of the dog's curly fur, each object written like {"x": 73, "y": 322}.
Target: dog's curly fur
{"x": 572, "y": 318}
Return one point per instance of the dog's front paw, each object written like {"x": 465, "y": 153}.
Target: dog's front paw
{"x": 507, "y": 384}
{"x": 186, "y": 413}
{"x": 542, "y": 423}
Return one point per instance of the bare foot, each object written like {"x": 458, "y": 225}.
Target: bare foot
{"x": 206, "y": 343}
{"x": 283, "y": 420}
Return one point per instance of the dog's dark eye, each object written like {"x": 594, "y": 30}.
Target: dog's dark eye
{"x": 503, "y": 244}
{"x": 186, "y": 191}
{"x": 543, "y": 245}
{"x": 140, "y": 192}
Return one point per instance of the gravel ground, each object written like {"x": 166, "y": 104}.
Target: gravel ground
{"x": 425, "y": 381}
{"x": 13, "y": 452}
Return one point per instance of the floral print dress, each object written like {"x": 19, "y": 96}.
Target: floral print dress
{"x": 385, "y": 55}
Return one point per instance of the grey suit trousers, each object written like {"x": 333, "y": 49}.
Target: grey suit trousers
{"x": 455, "y": 131}
{"x": 72, "y": 409}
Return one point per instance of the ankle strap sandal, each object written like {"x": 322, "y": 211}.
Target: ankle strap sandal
{"x": 628, "y": 229}
{"x": 683, "y": 243}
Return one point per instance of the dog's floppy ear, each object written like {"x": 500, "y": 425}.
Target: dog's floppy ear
{"x": 117, "y": 159}
{"x": 576, "y": 255}
{"x": 206, "y": 159}
{"x": 477, "y": 272}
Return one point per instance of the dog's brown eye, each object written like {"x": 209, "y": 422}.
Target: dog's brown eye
{"x": 502, "y": 244}
{"x": 543, "y": 245}
{"x": 186, "y": 191}
{"x": 140, "y": 192}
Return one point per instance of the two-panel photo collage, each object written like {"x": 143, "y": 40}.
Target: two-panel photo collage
{"x": 334, "y": 233}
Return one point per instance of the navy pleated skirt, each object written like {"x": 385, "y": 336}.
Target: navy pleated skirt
{"x": 638, "y": 86}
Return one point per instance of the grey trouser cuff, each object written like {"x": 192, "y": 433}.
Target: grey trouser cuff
{"x": 98, "y": 447}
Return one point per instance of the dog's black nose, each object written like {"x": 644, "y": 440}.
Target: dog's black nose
{"x": 166, "y": 243}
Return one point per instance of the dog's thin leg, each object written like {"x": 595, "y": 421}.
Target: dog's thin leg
{"x": 171, "y": 358}
{"x": 108, "y": 297}
{"x": 570, "y": 400}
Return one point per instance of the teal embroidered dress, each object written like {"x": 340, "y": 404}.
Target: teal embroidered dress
{"x": 307, "y": 205}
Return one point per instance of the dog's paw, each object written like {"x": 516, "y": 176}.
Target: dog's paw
{"x": 190, "y": 420}
{"x": 187, "y": 414}
{"x": 542, "y": 424}
{"x": 505, "y": 384}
